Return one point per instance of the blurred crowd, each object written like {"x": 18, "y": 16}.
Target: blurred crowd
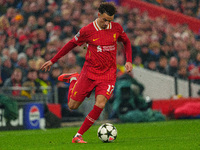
{"x": 33, "y": 31}
{"x": 187, "y": 7}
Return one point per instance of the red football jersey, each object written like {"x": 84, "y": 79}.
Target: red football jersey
{"x": 100, "y": 60}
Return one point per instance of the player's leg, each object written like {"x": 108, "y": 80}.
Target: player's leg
{"x": 70, "y": 78}
{"x": 101, "y": 101}
{"x": 94, "y": 114}
{"x": 90, "y": 118}
{"x": 102, "y": 93}
{"x": 82, "y": 88}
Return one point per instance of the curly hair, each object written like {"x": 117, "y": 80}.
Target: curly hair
{"x": 108, "y": 8}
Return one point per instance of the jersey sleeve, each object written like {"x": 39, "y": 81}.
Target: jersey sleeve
{"x": 63, "y": 51}
{"x": 80, "y": 37}
{"x": 127, "y": 44}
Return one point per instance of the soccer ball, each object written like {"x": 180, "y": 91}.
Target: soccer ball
{"x": 107, "y": 132}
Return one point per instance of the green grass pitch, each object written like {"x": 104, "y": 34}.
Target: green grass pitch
{"x": 168, "y": 135}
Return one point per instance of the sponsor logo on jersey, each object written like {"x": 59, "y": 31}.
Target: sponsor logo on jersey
{"x": 95, "y": 39}
{"x": 105, "y": 48}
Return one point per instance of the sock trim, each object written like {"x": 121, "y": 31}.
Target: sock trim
{"x": 73, "y": 78}
{"x": 90, "y": 119}
{"x": 78, "y": 134}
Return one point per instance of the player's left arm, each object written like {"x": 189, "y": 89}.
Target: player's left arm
{"x": 128, "y": 51}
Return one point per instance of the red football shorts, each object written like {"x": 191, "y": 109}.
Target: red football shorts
{"x": 84, "y": 87}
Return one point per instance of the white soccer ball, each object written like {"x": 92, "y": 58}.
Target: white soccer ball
{"x": 107, "y": 132}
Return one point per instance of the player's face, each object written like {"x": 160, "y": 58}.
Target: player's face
{"x": 104, "y": 20}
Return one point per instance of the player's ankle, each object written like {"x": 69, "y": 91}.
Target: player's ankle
{"x": 77, "y": 134}
{"x": 73, "y": 78}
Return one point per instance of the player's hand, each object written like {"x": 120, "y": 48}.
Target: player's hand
{"x": 128, "y": 66}
{"x": 47, "y": 66}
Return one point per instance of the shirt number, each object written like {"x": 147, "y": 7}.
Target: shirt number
{"x": 110, "y": 89}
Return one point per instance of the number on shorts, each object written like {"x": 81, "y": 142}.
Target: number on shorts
{"x": 110, "y": 88}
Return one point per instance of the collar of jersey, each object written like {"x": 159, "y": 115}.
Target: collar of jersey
{"x": 97, "y": 27}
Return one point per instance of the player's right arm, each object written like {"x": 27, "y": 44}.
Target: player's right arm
{"x": 63, "y": 51}
{"x": 78, "y": 39}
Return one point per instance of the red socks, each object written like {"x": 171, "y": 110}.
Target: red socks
{"x": 90, "y": 119}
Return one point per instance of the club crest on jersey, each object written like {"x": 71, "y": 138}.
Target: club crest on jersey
{"x": 75, "y": 93}
{"x": 77, "y": 36}
{"x": 99, "y": 49}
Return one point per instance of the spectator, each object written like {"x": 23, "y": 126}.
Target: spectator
{"x": 38, "y": 63}
{"x": 67, "y": 31}
{"x": 41, "y": 22}
{"x": 7, "y": 68}
{"x": 42, "y": 80}
{"x": 55, "y": 72}
{"x": 13, "y": 56}
{"x": 32, "y": 23}
{"x": 194, "y": 66}
{"x": 154, "y": 51}
{"x": 33, "y": 37}
{"x": 42, "y": 38}
{"x": 195, "y": 50}
{"x": 137, "y": 62}
{"x": 11, "y": 42}
{"x": 196, "y": 62}
{"x": 71, "y": 59}
{"x": 10, "y": 13}
{"x": 30, "y": 90}
{"x": 4, "y": 22}
{"x": 2, "y": 7}
{"x": 172, "y": 67}
{"x": 182, "y": 73}
{"x": 183, "y": 63}
{"x": 22, "y": 63}
{"x": 151, "y": 64}
{"x": 18, "y": 20}
{"x": 23, "y": 41}
{"x": 49, "y": 29}
{"x": 166, "y": 50}
{"x": 29, "y": 51}
{"x": 5, "y": 52}
{"x": 1, "y": 81}
{"x": 162, "y": 65}
{"x": 47, "y": 56}
{"x": 144, "y": 53}
{"x": 14, "y": 81}
{"x": 2, "y": 36}
{"x": 32, "y": 75}
{"x": 31, "y": 64}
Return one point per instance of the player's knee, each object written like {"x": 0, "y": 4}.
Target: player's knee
{"x": 73, "y": 104}
{"x": 100, "y": 105}
{"x": 101, "y": 101}
{"x": 72, "y": 107}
